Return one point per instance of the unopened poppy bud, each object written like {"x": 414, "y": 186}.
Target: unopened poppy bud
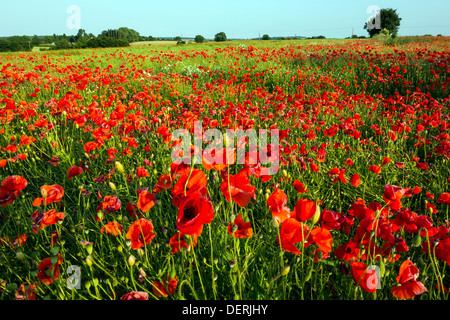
{"x": 417, "y": 240}
{"x": 119, "y": 167}
{"x": 285, "y": 271}
{"x": 89, "y": 261}
{"x": 316, "y": 216}
{"x": 112, "y": 185}
{"x": 232, "y": 217}
{"x": 267, "y": 196}
{"x": 275, "y": 223}
{"x": 284, "y": 173}
{"x": 20, "y": 255}
{"x": 140, "y": 252}
{"x": 119, "y": 248}
{"x": 435, "y": 242}
{"x": 308, "y": 276}
{"x": 131, "y": 260}
{"x": 89, "y": 249}
{"x": 100, "y": 215}
{"x": 215, "y": 277}
{"x": 320, "y": 255}
{"x": 235, "y": 227}
{"x": 87, "y": 284}
{"x": 232, "y": 264}
{"x": 382, "y": 268}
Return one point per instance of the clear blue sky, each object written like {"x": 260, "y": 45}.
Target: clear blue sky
{"x": 237, "y": 18}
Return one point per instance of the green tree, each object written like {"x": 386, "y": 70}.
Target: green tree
{"x": 221, "y": 36}
{"x": 389, "y": 19}
{"x": 199, "y": 39}
{"x": 266, "y": 37}
{"x": 35, "y": 41}
{"x": 5, "y": 45}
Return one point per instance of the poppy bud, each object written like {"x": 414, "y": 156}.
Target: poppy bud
{"x": 89, "y": 249}
{"x": 119, "y": 167}
{"x": 417, "y": 240}
{"x": 316, "y": 216}
{"x": 140, "y": 252}
{"x": 267, "y": 196}
{"x": 87, "y": 284}
{"x": 131, "y": 260}
{"x": 232, "y": 264}
{"x": 112, "y": 185}
{"x": 382, "y": 268}
{"x": 284, "y": 173}
{"x": 285, "y": 271}
{"x": 320, "y": 255}
{"x": 119, "y": 248}
{"x": 275, "y": 223}
{"x": 20, "y": 255}
{"x": 89, "y": 261}
{"x": 435, "y": 242}
{"x": 308, "y": 276}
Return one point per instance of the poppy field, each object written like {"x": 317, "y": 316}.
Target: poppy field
{"x": 93, "y": 206}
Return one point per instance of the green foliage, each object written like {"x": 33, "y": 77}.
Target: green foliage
{"x": 265, "y": 37}
{"x": 199, "y": 39}
{"x": 123, "y": 33}
{"x": 221, "y": 36}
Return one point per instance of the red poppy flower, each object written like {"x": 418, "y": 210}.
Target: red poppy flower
{"x": 140, "y": 233}
{"x": 135, "y": 295}
{"x": 110, "y": 204}
{"x": 7, "y": 197}
{"x": 189, "y": 182}
{"x": 146, "y": 200}
{"x": 142, "y": 172}
{"x": 375, "y": 169}
{"x": 292, "y": 232}
{"x": 365, "y": 278}
{"x": 74, "y": 171}
{"x": 407, "y": 278}
{"x": 14, "y": 183}
{"x": 178, "y": 241}
{"x": 347, "y": 251}
{"x": 194, "y": 211}
{"x": 113, "y": 228}
{"x": 314, "y": 167}
{"x": 322, "y": 238}
{"x": 305, "y": 209}
{"x": 14, "y": 242}
{"x": 164, "y": 183}
{"x": 355, "y": 180}
{"x": 43, "y": 219}
{"x": 299, "y": 187}
{"x": 164, "y": 289}
{"x": 49, "y": 272}
{"x": 444, "y": 198}
{"x": 50, "y": 194}
{"x": 243, "y": 230}
{"x": 238, "y": 188}
{"x": 277, "y": 205}
{"x": 392, "y": 196}
{"x": 133, "y": 210}
{"x": 218, "y": 159}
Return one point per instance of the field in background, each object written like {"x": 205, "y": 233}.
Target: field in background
{"x": 357, "y": 211}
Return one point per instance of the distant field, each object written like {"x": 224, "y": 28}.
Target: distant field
{"x": 153, "y": 43}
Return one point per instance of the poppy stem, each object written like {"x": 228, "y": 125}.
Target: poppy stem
{"x": 198, "y": 271}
